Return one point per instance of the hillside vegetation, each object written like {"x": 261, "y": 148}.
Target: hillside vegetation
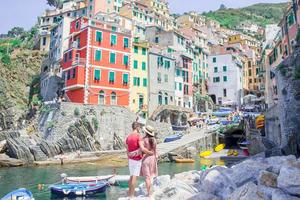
{"x": 261, "y": 14}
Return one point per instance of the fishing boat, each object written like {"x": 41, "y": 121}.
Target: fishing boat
{"x": 172, "y": 138}
{"x": 219, "y": 147}
{"x": 20, "y": 194}
{"x": 78, "y": 189}
{"x": 184, "y": 160}
{"x": 222, "y": 112}
{"x": 179, "y": 128}
{"x": 205, "y": 154}
{"x": 111, "y": 179}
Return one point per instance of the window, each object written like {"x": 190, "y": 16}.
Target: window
{"x": 249, "y": 72}
{"x": 113, "y": 40}
{"x": 145, "y": 82}
{"x": 166, "y": 98}
{"x": 111, "y": 77}
{"x": 97, "y": 55}
{"x": 98, "y": 36}
{"x": 112, "y": 58}
{"x": 291, "y": 19}
{"x": 126, "y": 42}
{"x": 156, "y": 40}
{"x": 97, "y": 75}
{"x": 216, "y": 79}
{"x": 224, "y": 68}
{"x": 215, "y": 69}
{"x": 167, "y": 64}
{"x": 144, "y": 51}
{"x": 224, "y": 92}
{"x": 180, "y": 86}
{"x": 159, "y": 98}
{"x": 113, "y": 98}
{"x": 125, "y": 60}
{"x": 65, "y": 58}
{"x": 177, "y": 72}
{"x": 136, "y": 49}
{"x": 69, "y": 75}
{"x": 225, "y": 78}
{"x": 159, "y": 77}
{"x": 144, "y": 66}
{"x": 214, "y": 59}
{"x": 257, "y": 71}
{"x": 135, "y": 64}
{"x": 249, "y": 64}
{"x": 125, "y": 79}
{"x": 44, "y": 41}
{"x": 166, "y": 78}
{"x": 136, "y": 81}
{"x": 73, "y": 73}
{"x": 70, "y": 55}
{"x": 255, "y": 80}
{"x": 77, "y": 25}
{"x": 250, "y": 80}
{"x": 113, "y": 29}
{"x": 101, "y": 98}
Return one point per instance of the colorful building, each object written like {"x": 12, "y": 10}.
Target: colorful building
{"x": 97, "y": 64}
{"x": 103, "y": 6}
{"x": 139, "y": 78}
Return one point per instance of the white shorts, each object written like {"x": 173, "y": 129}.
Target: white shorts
{"x": 134, "y": 167}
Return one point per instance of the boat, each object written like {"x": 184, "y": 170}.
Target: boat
{"x": 78, "y": 189}
{"x": 225, "y": 122}
{"x": 19, "y": 194}
{"x": 205, "y": 154}
{"x": 179, "y": 128}
{"x": 219, "y": 147}
{"x": 222, "y": 112}
{"x": 111, "y": 179}
{"x": 172, "y": 138}
{"x": 244, "y": 144}
{"x": 184, "y": 160}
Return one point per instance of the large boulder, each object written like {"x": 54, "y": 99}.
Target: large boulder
{"x": 175, "y": 190}
{"x": 268, "y": 179}
{"x": 6, "y": 161}
{"x": 249, "y": 191}
{"x": 217, "y": 182}
{"x": 204, "y": 196}
{"x": 190, "y": 177}
{"x": 17, "y": 149}
{"x": 276, "y": 162}
{"x": 280, "y": 195}
{"x": 246, "y": 171}
{"x": 289, "y": 179}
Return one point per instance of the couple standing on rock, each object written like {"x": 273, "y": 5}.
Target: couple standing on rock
{"x": 142, "y": 156}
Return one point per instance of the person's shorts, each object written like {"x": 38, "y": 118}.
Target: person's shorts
{"x": 134, "y": 167}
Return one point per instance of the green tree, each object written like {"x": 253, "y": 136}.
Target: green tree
{"x": 16, "y": 32}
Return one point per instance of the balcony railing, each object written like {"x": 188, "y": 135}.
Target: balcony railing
{"x": 79, "y": 61}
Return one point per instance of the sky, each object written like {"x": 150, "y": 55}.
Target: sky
{"x": 24, "y": 13}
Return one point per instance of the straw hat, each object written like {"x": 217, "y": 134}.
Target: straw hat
{"x": 149, "y": 130}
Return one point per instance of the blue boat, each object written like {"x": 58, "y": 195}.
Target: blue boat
{"x": 172, "y": 138}
{"x": 73, "y": 190}
{"x": 21, "y": 193}
{"x": 222, "y": 112}
{"x": 179, "y": 128}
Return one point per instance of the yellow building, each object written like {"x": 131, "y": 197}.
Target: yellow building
{"x": 139, "y": 78}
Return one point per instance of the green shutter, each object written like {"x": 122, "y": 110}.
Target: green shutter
{"x": 135, "y": 64}
{"x": 134, "y": 81}
{"x": 125, "y": 78}
{"x": 136, "y": 49}
{"x": 126, "y": 43}
{"x": 138, "y": 81}
{"x": 97, "y": 74}
{"x": 143, "y": 66}
{"x": 216, "y": 69}
{"x": 225, "y": 78}
{"x": 111, "y": 76}
{"x": 112, "y": 58}
{"x": 97, "y": 55}
{"x": 144, "y": 51}
{"x": 145, "y": 82}
{"x": 113, "y": 39}
{"x": 125, "y": 60}
{"x": 224, "y": 68}
{"x": 180, "y": 86}
{"x": 98, "y": 36}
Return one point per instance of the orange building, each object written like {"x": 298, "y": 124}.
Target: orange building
{"x": 96, "y": 65}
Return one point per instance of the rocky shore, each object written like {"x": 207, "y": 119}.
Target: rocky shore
{"x": 258, "y": 178}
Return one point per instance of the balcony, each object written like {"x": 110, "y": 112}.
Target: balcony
{"x": 79, "y": 62}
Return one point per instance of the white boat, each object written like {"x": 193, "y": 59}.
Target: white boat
{"x": 111, "y": 179}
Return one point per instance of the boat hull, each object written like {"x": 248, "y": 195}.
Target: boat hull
{"x": 179, "y": 160}
{"x": 17, "y": 194}
{"x": 172, "y": 138}
{"x": 73, "y": 191}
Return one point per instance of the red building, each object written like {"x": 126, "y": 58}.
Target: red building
{"x": 96, "y": 65}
